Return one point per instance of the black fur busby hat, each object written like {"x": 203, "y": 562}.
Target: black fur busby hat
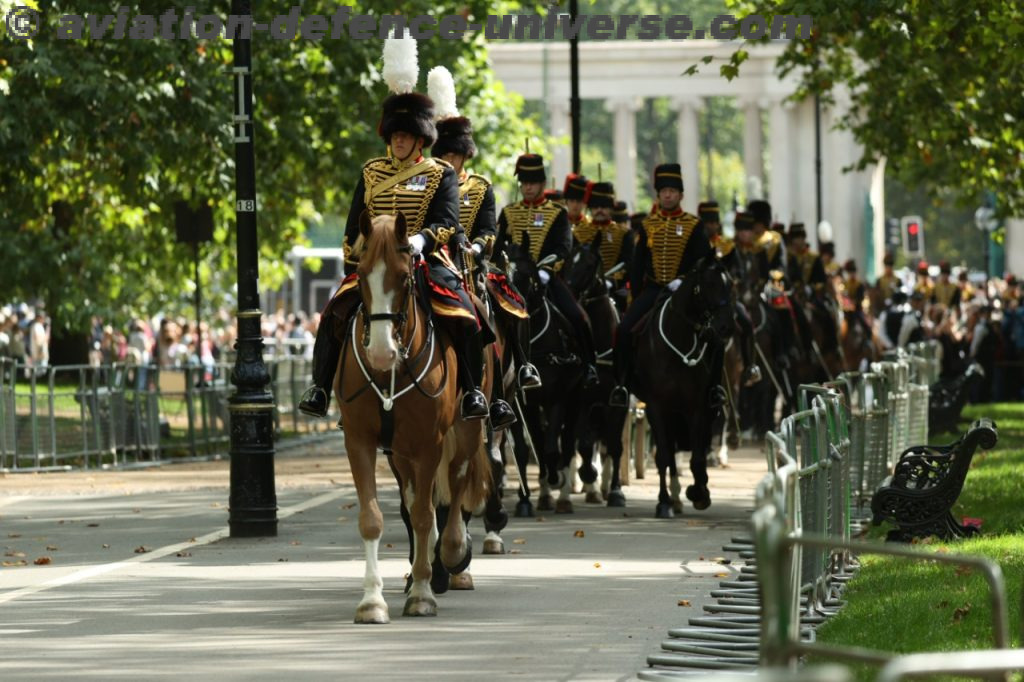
{"x": 530, "y": 168}
{"x": 761, "y": 211}
{"x": 708, "y": 212}
{"x": 575, "y": 187}
{"x": 668, "y": 175}
{"x": 405, "y": 110}
{"x": 601, "y": 195}
{"x": 797, "y": 230}
{"x": 455, "y": 136}
{"x": 888, "y": 258}
{"x": 945, "y": 268}
{"x": 827, "y": 249}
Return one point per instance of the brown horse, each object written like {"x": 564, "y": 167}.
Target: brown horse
{"x": 396, "y": 389}
{"x": 858, "y": 344}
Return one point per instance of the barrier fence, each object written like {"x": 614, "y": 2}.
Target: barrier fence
{"x": 87, "y": 417}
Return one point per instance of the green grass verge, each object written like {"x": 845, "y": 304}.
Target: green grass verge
{"x": 901, "y": 606}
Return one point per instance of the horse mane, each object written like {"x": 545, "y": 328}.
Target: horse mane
{"x": 381, "y": 244}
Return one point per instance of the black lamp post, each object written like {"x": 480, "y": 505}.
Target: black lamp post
{"x": 575, "y": 109}
{"x": 252, "y": 501}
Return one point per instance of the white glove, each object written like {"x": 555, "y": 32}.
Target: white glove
{"x": 544, "y": 275}
{"x": 608, "y": 284}
{"x": 674, "y": 284}
{"x": 416, "y": 244}
{"x": 477, "y": 248}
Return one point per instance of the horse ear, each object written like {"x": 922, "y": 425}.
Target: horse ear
{"x": 401, "y": 229}
{"x": 364, "y": 224}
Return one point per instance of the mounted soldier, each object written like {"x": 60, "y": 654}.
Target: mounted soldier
{"x": 455, "y": 146}
{"x": 426, "y": 192}
{"x": 806, "y": 274}
{"x": 670, "y": 244}
{"x": 620, "y": 214}
{"x": 885, "y": 285}
{"x": 545, "y": 226}
{"x": 727, "y": 252}
{"x": 616, "y": 241}
{"x": 854, "y": 294}
{"x": 574, "y": 198}
{"x": 946, "y": 291}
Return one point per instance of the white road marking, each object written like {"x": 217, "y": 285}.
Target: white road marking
{"x": 103, "y": 569}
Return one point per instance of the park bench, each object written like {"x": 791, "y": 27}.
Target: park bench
{"x": 926, "y": 482}
{"x": 947, "y": 399}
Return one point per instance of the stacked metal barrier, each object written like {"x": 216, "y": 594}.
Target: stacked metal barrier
{"x": 897, "y": 377}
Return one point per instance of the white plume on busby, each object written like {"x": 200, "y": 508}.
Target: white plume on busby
{"x": 401, "y": 68}
{"x": 405, "y": 109}
{"x": 441, "y": 89}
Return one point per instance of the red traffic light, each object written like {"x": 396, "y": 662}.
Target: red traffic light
{"x": 912, "y": 228}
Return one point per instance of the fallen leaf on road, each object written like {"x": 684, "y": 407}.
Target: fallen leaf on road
{"x": 349, "y": 505}
{"x": 92, "y": 525}
{"x": 183, "y": 554}
{"x": 141, "y": 550}
{"x": 61, "y": 522}
{"x": 389, "y": 546}
{"x": 20, "y": 562}
{"x": 106, "y": 546}
{"x": 342, "y": 518}
{"x": 17, "y": 555}
{"x": 136, "y": 511}
{"x": 42, "y": 561}
{"x": 215, "y": 505}
{"x": 683, "y": 602}
{"x": 625, "y": 514}
{"x": 515, "y": 551}
{"x": 282, "y": 560}
{"x": 191, "y": 539}
{"x": 519, "y": 541}
{"x": 722, "y": 560}
{"x": 541, "y": 519}
{"x": 51, "y": 548}
{"x": 597, "y": 565}
{"x": 578, "y": 534}
{"x": 296, "y": 542}
{"x": 14, "y": 535}
{"x": 721, "y": 575}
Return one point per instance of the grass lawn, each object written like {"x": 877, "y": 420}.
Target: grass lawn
{"x": 904, "y": 607}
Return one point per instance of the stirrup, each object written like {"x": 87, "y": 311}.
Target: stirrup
{"x": 314, "y": 402}
{"x": 477, "y": 404}
{"x": 619, "y": 397}
{"x": 529, "y": 377}
{"x": 753, "y": 375}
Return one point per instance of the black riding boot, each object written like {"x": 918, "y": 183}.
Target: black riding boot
{"x": 622, "y": 366}
{"x": 326, "y": 351}
{"x": 470, "y": 371}
{"x": 751, "y": 372}
{"x": 502, "y": 415}
{"x": 529, "y": 377}
{"x": 716, "y": 393}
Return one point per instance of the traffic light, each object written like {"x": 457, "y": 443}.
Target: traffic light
{"x": 912, "y": 228}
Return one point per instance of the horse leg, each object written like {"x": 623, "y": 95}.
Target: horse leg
{"x": 587, "y": 442}
{"x": 419, "y": 494}
{"x": 665, "y": 449}
{"x": 362, "y": 460}
{"x": 466, "y": 472}
{"x": 675, "y": 484}
{"x": 616, "y": 422}
{"x": 521, "y": 452}
{"x": 700, "y": 440}
{"x": 495, "y": 516}
{"x": 566, "y": 453}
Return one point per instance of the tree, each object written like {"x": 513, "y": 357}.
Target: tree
{"x": 934, "y": 86}
{"x": 112, "y": 132}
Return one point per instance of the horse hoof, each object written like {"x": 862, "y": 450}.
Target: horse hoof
{"x": 419, "y": 606}
{"x": 372, "y": 614}
{"x": 664, "y": 511}
{"x": 677, "y": 506}
{"x": 494, "y": 547}
{"x": 616, "y": 499}
{"x": 594, "y": 497}
{"x": 563, "y": 507}
{"x": 545, "y": 503}
{"x": 462, "y": 581}
{"x": 701, "y": 497}
{"x": 524, "y": 509}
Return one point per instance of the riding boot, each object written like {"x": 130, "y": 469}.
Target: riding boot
{"x": 622, "y": 365}
{"x": 528, "y": 377}
{"x": 751, "y": 372}
{"x": 502, "y": 415}
{"x": 716, "y": 393}
{"x": 326, "y": 351}
{"x": 471, "y": 361}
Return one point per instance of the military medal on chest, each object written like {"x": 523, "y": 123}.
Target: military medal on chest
{"x": 417, "y": 183}
{"x": 538, "y": 219}
{"x": 679, "y": 230}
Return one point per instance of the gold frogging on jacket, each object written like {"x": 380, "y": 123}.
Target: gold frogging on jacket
{"x": 411, "y": 196}
{"x": 667, "y": 237}
{"x": 521, "y": 222}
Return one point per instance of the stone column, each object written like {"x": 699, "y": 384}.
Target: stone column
{"x": 625, "y": 109}
{"x": 561, "y": 144}
{"x": 688, "y": 148}
{"x": 781, "y": 141}
{"x": 752, "y": 145}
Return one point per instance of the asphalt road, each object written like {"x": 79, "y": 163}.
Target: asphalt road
{"x": 143, "y": 581}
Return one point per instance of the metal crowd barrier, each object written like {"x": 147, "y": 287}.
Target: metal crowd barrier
{"x": 86, "y": 417}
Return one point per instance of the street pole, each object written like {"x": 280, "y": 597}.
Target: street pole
{"x": 817, "y": 153}
{"x": 252, "y": 501}
{"x": 574, "y": 78}
{"x": 199, "y": 329}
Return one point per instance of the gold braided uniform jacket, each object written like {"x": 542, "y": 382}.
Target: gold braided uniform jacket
{"x": 887, "y": 284}
{"x": 426, "y": 192}
{"x": 545, "y": 224}
{"x": 946, "y": 293}
{"x": 476, "y": 209}
{"x": 616, "y": 245}
{"x": 806, "y": 267}
{"x": 770, "y": 243}
{"x": 668, "y": 246}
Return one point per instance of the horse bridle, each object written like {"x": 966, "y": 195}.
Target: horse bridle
{"x": 397, "y": 320}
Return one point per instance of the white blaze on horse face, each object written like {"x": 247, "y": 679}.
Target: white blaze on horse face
{"x": 382, "y": 352}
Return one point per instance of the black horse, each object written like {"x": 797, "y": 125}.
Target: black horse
{"x": 679, "y": 349}
{"x": 599, "y": 425}
{"x": 552, "y": 410}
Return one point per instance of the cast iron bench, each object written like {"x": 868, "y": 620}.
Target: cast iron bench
{"x": 948, "y": 397}
{"x": 926, "y": 483}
